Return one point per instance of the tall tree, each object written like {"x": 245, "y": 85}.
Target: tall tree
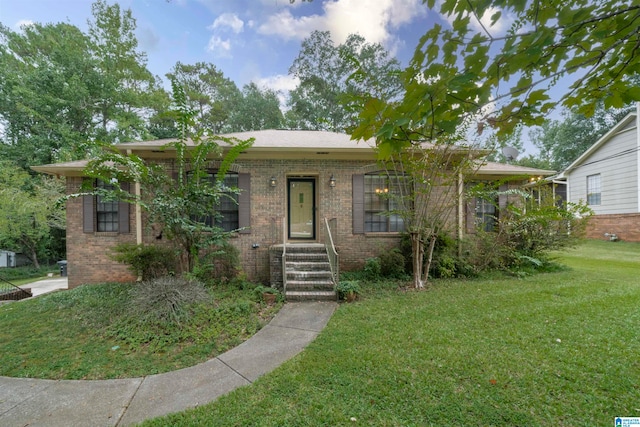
{"x": 61, "y": 90}
{"x": 29, "y": 211}
{"x": 126, "y": 86}
{"x": 210, "y": 94}
{"x": 48, "y": 83}
{"x": 257, "y": 109}
{"x": 332, "y": 76}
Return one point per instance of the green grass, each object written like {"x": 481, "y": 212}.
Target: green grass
{"x": 92, "y": 332}
{"x": 556, "y": 349}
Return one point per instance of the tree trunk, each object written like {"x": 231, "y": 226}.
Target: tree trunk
{"x": 427, "y": 267}
{"x": 417, "y": 252}
{"x": 30, "y": 251}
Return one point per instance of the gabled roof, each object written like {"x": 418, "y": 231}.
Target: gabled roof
{"x": 631, "y": 117}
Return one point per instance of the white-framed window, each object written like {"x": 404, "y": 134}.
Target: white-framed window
{"x": 594, "y": 189}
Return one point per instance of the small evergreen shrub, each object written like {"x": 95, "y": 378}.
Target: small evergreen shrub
{"x": 372, "y": 268}
{"x": 147, "y": 261}
{"x": 345, "y": 288}
{"x": 220, "y": 264}
{"x": 392, "y": 264}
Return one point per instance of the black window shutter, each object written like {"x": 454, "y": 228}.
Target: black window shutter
{"x": 123, "y": 212}
{"x": 358, "y": 204}
{"x": 244, "y": 203}
{"x": 88, "y": 213}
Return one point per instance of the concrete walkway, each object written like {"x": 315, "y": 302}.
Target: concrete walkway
{"x": 124, "y": 402}
{"x": 45, "y": 286}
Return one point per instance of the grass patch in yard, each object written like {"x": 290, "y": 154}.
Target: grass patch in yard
{"x": 92, "y": 332}
{"x": 555, "y": 349}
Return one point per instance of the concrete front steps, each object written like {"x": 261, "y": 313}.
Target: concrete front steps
{"x": 308, "y": 273}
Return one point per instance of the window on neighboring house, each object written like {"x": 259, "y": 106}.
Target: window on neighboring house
{"x": 106, "y": 210}
{"x": 380, "y": 202}
{"x": 486, "y": 214}
{"x": 594, "y": 189}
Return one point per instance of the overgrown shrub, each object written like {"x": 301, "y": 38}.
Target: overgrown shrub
{"x": 372, "y": 268}
{"x": 445, "y": 263}
{"x": 220, "y": 264}
{"x": 166, "y": 298}
{"x": 392, "y": 264}
{"x": 526, "y": 233}
{"x": 147, "y": 261}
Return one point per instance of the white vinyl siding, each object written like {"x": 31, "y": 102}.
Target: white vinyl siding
{"x": 616, "y": 163}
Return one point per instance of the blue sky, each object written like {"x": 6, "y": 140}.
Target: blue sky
{"x": 249, "y": 40}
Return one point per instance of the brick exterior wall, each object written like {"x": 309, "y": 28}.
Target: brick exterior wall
{"x": 269, "y": 206}
{"x": 88, "y": 253}
{"x": 88, "y": 258}
{"x": 625, "y": 226}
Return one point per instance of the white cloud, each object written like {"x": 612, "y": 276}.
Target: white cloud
{"x": 280, "y": 83}
{"x": 228, "y": 20}
{"x": 288, "y": 27}
{"x": 373, "y": 20}
{"x": 498, "y": 28}
{"x": 219, "y": 46}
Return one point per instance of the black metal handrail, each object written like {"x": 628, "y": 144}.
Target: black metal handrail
{"x": 11, "y": 292}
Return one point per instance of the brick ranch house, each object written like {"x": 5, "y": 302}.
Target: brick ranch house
{"x": 290, "y": 182}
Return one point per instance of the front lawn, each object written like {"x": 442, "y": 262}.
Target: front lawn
{"x": 93, "y": 332}
{"x": 555, "y": 349}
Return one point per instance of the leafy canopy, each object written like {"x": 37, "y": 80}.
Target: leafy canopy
{"x": 467, "y": 69}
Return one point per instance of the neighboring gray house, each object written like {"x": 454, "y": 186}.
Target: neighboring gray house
{"x": 607, "y": 178}
{"x": 7, "y": 259}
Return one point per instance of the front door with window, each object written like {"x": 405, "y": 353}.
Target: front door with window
{"x": 302, "y": 208}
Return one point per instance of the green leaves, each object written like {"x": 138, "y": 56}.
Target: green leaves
{"x": 518, "y": 67}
